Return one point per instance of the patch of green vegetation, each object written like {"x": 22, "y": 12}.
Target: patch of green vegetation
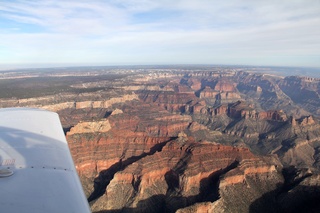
{"x": 42, "y": 86}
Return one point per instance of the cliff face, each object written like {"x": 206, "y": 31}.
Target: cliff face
{"x": 130, "y": 132}
{"x": 169, "y": 141}
{"x": 178, "y": 176}
{"x": 145, "y": 162}
{"x": 149, "y": 162}
{"x": 302, "y": 90}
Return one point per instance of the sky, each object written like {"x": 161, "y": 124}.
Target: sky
{"x": 155, "y": 32}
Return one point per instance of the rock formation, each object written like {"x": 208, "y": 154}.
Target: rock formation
{"x": 168, "y": 140}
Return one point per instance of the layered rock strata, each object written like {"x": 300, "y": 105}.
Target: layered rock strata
{"x": 179, "y": 176}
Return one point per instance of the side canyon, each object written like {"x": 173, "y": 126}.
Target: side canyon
{"x": 181, "y": 140}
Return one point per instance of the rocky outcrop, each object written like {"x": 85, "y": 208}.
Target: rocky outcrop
{"x": 132, "y": 131}
{"x": 308, "y": 120}
{"x": 116, "y": 111}
{"x": 277, "y": 115}
{"x": 104, "y": 104}
{"x": 207, "y": 92}
{"x": 240, "y": 109}
{"x": 221, "y": 110}
{"x": 194, "y": 84}
{"x": 49, "y": 102}
{"x": 228, "y": 97}
{"x": 173, "y": 102}
{"x": 179, "y": 176}
{"x": 224, "y": 85}
{"x": 90, "y": 127}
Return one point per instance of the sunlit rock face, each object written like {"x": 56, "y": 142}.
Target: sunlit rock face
{"x": 154, "y": 176}
{"x": 183, "y": 141}
{"x": 147, "y": 163}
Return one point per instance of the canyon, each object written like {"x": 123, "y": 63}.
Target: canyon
{"x": 181, "y": 140}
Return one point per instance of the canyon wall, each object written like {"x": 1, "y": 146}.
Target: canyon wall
{"x": 200, "y": 141}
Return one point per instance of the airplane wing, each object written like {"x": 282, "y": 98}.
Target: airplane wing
{"x": 37, "y": 173}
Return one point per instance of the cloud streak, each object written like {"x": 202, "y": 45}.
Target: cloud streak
{"x": 152, "y": 32}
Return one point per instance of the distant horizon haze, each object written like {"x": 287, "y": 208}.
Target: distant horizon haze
{"x": 275, "y": 70}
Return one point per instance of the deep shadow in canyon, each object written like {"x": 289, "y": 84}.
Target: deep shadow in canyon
{"x": 101, "y": 182}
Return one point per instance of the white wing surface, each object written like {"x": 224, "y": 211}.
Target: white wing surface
{"x": 37, "y": 173}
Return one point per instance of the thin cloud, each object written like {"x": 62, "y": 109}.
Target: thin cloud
{"x": 200, "y": 31}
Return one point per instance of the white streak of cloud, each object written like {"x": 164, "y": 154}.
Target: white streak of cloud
{"x": 200, "y": 31}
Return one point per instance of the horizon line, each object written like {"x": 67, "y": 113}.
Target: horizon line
{"x": 13, "y": 67}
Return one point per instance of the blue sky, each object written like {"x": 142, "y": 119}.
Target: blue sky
{"x": 124, "y": 32}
